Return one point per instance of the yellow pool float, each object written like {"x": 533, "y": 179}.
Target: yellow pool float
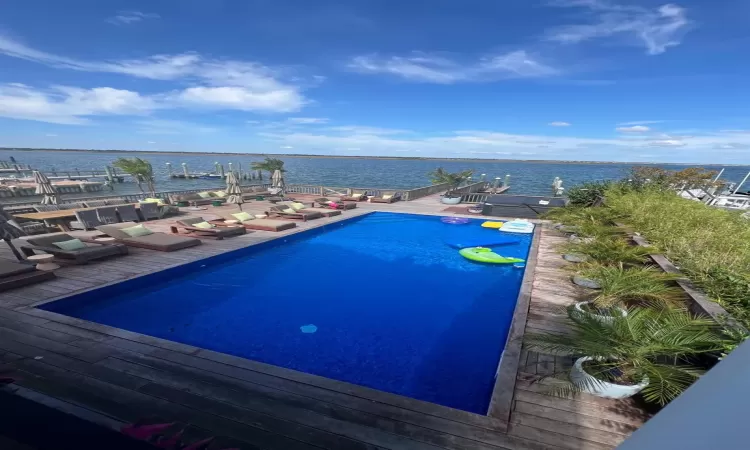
{"x": 494, "y": 225}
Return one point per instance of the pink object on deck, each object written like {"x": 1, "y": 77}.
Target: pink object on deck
{"x": 143, "y": 432}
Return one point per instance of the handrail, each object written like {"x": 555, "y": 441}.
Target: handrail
{"x": 414, "y": 194}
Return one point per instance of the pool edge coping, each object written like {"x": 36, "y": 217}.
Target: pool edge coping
{"x": 501, "y": 400}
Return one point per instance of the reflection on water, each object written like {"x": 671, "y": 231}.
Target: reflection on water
{"x": 526, "y": 177}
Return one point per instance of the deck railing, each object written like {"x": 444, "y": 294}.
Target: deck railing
{"x": 478, "y": 197}
{"x": 414, "y": 194}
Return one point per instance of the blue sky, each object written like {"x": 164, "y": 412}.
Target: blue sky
{"x": 516, "y": 79}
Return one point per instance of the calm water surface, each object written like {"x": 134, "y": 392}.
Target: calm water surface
{"x": 526, "y": 177}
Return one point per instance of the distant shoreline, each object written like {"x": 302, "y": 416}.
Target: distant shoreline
{"x": 403, "y": 158}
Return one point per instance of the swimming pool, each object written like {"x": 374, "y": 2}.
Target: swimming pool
{"x": 380, "y": 300}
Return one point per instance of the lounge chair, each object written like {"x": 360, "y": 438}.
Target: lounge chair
{"x": 355, "y": 197}
{"x": 107, "y": 215}
{"x": 299, "y": 207}
{"x": 117, "y": 201}
{"x": 14, "y": 275}
{"x": 201, "y": 198}
{"x": 250, "y": 222}
{"x": 93, "y": 250}
{"x": 151, "y": 210}
{"x": 95, "y": 203}
{"x": 283, "y": 211}
{"x": 326, "y": 203}
{"x": 46, "y": 208}
{"x": 128, "y": 213}
{"x": 154, "y": 241}
{"x": 86, "y": 219}
{"x": 386, "y": 198}
{"x": 251, "y": 192}
{"x": 216, "y": 232}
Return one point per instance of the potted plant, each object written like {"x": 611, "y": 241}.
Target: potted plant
{"x": 648, "y": 351}
{"x": 453, "y": 180}
{"x": 619, "y": 287}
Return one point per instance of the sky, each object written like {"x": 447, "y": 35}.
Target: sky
{"x": 597, "y": 80}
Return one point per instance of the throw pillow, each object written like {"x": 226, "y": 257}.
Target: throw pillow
{"x": 136, "y": 231}
{"x": 73, "y": 244}
{"x": 243, "y": 216}
{"x": 297, "y": 206}
{"x": 204, "y": 225}
{"x": 220, "y": 194}
{"x": 204, "y": 194}
{"x": 289, "y": 210}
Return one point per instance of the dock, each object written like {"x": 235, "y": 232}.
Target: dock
{"x": 113, "y": 376}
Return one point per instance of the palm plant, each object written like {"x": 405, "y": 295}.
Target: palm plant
{"x": 622, "y": 285}
{"x": 440, "y": 176}
{"x": 609, "y": 250}
{"x": 140, "y": 170}
{"x": 657, "y": 346}
{"x": 269, "y": 165}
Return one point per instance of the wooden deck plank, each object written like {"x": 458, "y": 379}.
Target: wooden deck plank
{"x": 201, "y": 369}
{"x": 133, "y": 406}
{"x": 330, "y": 417}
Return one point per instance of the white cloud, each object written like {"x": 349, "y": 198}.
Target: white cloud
{"x": 50, "y": 135}
{"x": 667, "y": 143}
{"x": 633, "y": 129}
{"x": 69, "y": 105}
{"x": 559, "y": 124}
{"x": 286, "y": 147}
{"x": 656, "y": 29}
{"x": 240, "y": 98}
{"x": 151, "y": 142}
{"x": 640, "y": 122}
{"x": 226, "y": 84}
{"x": 164, "y": 126}
{"x": 429, "y": 68}
{"x": 307, "y": 120}
{"x": 128, "y": 17}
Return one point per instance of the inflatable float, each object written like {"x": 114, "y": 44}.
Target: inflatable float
{"x": 455, "y": 220}
{"x": 489, "y": 242}
{"x": 518, "y": 226}
{"x": 492, "y": 224}
{"x": 485, "y": 255}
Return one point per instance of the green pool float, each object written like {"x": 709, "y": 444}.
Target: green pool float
{"x": 486, "y": 255}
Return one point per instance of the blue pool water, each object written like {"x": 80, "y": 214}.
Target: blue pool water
{"x": 380, "y": 300}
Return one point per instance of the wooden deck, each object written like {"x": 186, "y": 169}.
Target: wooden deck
{"x": 113, "y": 376}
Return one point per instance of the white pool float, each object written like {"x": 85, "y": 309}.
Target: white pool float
{"x": 518, "y": 226}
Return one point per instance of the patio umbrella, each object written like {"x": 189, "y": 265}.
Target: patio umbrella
{"x": 9, "y": 229}
{"x": 44, "y": 187}
{"x": 233, "y": 190}
{"x": 277, "y": 181}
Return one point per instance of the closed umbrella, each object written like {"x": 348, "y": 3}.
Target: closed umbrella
{"x": 44, "y": 187}
{"x": 233, "y": 190}
{"x": 9, "y": 229}
{"x": 277, "y": 181}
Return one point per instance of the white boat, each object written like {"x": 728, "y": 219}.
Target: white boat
{"x": 518, "y": 226}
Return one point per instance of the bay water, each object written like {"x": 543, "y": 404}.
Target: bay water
{"x": 526, "y": 177}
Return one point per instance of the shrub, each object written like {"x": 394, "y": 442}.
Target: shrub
{"x": 710, "y": 245}
{"x": 621, "y": 285}
{"x": 587, "y": 194}
{"x": 609, "y": 251}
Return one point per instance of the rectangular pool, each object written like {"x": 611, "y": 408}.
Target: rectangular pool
{"x": 380, "y": 300}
